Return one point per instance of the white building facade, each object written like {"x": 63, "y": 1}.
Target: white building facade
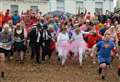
{"x": 70, "y": 6}
{"x": 118, "y": 4}
{"x": 24, "y": 5}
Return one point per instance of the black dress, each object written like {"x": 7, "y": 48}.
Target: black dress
{"x": 6, "y": 39}
{"x": 19, "y": 40}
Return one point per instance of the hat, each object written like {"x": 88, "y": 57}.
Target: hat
{"x": 39, "y": 25}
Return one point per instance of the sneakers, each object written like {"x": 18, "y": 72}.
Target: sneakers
{"x": 103, "y": 77}
{"x": 21, "y": 62}
{"x": 100, "y": 71}
{"x": 118, "y": 72}
{"x": 2, "y": 74}
{"x": 59, "y": 59}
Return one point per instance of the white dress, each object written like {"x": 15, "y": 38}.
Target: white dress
{"x": 63, "y": 44}
{"x": 78, "y": 44}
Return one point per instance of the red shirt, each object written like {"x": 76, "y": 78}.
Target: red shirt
{"x": 92, "y": 39}
{"x": 7, "y": 18}
{"x": 1, "y": 20}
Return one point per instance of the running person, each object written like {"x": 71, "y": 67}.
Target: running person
{"x": 104, "y": 49}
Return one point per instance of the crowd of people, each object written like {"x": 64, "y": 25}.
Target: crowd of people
{"x": 75, "y": 37}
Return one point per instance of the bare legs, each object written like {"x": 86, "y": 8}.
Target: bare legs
{"x": 2, "y": 64}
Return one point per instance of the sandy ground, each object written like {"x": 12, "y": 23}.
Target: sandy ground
{"x": 31, "y": 72}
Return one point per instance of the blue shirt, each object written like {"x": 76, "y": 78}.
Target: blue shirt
{"x": 105, "y": 48}
{"x": 16, "y": 19}
{"x": 102, "y": 31}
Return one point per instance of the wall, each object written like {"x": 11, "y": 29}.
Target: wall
{"x": 52, "y": 5}
{"x": 90, "y": 6}
{"x": 107, "y": 5}
{"x": 23, "y": 6}
{"x": 118, "y": 4}
{"x": 70, "y": 6}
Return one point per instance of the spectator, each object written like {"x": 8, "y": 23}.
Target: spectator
{"x": 15, "y": 18}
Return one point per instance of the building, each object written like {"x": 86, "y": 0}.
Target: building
{"x": 118, "y": 4}
{"x": 70, "y": 6}
{"x": 23, "y": 5}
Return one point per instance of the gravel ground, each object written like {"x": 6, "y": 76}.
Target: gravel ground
{"x": 53, "y": 72}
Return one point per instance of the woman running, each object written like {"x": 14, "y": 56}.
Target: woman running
{"x": 20, "y": 43}
{"x": 63, "y": 45}
{"x": 79, "y": 45}
{"x": 6, "y": 41}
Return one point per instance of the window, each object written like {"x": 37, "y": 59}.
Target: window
{"x": 79, "y": 5}
{"x": 34, "y": 8}
{"x": 98, "y": 7}
{"x": 14, "y": 8}
{"x": 60, "y": 5}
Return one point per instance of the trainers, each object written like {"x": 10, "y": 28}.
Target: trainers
{"x": 21, "y": 62}
{"x": 118, "y": 72}
{"x": 100, "y": 70}
{"x": 2, "y": 74}
{"x": 103, "y": 77}
{"x": 59, "y": 59}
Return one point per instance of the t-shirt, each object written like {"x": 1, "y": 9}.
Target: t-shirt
{"x": 6, "y": 18}
{"x": 1, "y": 21}
{"x": 16, "y": 19}
{"x": 92, "y": 39}
{"x": 105, "y": 48}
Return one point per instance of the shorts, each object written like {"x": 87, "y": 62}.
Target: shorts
{"x": 0, "y": 29}
{"x": 102, "y": 60}
{"x": 6, "y": 52}
{"x": 19, "y": 46}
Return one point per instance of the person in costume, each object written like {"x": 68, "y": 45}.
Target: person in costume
{"x": 6, "y": 42}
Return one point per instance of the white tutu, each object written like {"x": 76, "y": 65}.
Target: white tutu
{"x": 63, "y": 48}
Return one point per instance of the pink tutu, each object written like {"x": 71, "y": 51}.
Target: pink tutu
{"x": 75, "y": 45}
{"x": 63, "y": 48}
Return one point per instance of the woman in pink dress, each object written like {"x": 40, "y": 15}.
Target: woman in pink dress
{"x": 78, "y": 44}
{"x": 63, "y": 45}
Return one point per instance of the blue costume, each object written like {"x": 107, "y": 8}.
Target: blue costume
{"x": 104, "y": 51}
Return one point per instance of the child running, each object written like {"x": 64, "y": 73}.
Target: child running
{"x": 104, "y": 49}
